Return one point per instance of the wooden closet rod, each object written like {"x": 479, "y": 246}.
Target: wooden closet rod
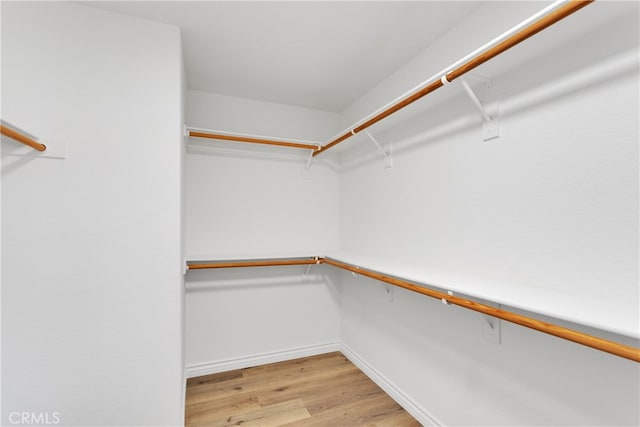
{"x": 611, "y": 347}
{"x": 13, "y": 134}
{"x": 597, "y": 343}
{"x": 532, "y": 29}
{"x": 255, "y": 263}
{"x": 239, "y": 138}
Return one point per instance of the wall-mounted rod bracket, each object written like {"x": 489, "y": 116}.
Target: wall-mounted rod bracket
{"x": 389, "y": 291}
{"x": 353, "y": 273}
{"x": 474, "y": 100}
{"x": 385, "y": 153}
{"x": 307, "y": 166}
{"x": 444, "y": 300}
{"x": 490, "y": 123}
{"x": 316, "y": 262}
{"x": 491, "y": 328}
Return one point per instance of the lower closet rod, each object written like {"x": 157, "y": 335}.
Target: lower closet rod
{"x": 611, "y": 347}
{"x": 597, "y": 343}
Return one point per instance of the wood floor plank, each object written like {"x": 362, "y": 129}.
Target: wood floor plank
{"x": 213, "y": 378}
{"x": 208, "y": 411}
{"x": 323, "y": 390}
{"x": 269, "y": 416}
{"x": 366, "y": 410}
{"x": 325, "y": 384}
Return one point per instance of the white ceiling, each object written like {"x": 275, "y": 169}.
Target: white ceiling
{"x": 321, "y": 55}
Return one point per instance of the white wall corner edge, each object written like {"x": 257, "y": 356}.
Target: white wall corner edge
{"x": 423, "y": 416}
{"x": 207, "y": 368}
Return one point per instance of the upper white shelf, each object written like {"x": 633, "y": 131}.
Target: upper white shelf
{"x": 545, "y": 18}
{"x": 253, "y": 256}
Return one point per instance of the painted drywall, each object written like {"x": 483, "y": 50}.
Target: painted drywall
{"x": 249, "y": 116}
{"x": 244, "y": 200}
{"x": 91, "y": 277}
{"x": 239, "y": 203}
{"x": 553, "y": 204}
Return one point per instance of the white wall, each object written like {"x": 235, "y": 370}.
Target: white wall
{"x": 552, "y": 204}
{"x": 247, "y": 200}
{"x": 91, "y": 278}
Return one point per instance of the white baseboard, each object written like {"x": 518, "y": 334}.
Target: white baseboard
{"x": 208, "y": 368}
{"x": 417, "y": 411}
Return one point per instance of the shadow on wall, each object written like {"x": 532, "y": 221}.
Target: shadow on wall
{"x": 17, "y": 162}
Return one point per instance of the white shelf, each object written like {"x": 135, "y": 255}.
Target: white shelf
{"x": 620, "y": 317}
{"x": 253, "y": 256}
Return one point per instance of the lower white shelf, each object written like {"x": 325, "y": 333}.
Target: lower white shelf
{"x": 617, "y": 316}
{"x": 620, "y": 317}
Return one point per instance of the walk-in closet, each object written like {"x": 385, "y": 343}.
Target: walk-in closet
{"x": 314, "y": 213}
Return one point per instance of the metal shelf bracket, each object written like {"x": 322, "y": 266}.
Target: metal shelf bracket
{"x": 308, "y": 269}
{"x": 444, "y": 300}
{"x": 490, "y": 122}
{"x": 492, "y": 328}
{"x": 385, "y": 151}
{"x": 306, "y": 173}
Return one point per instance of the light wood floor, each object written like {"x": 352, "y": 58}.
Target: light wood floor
{"x": 324, "y": 390}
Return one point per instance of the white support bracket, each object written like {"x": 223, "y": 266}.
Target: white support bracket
{"x": 308, "y": 269}
{"x": 389, "y": 291}
{"x": 491, "y": 329}
{"x": 385, "y": 153}
{"x": 354, "y": 273}
{"x": 306, "y": 173}
{"x": 490, "y": 122}
{"x": 444, "y": 300}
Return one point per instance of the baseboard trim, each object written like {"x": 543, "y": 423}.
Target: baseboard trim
{"x": 215, "y": 367}
{"x": 417, "y": 411}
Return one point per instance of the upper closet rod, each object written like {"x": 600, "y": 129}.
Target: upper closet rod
{"x": 251, "y": 139}
{"x": 13, "y": 134}
{"x": 538, "y": 22}
{"x": 254, "y": 263}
